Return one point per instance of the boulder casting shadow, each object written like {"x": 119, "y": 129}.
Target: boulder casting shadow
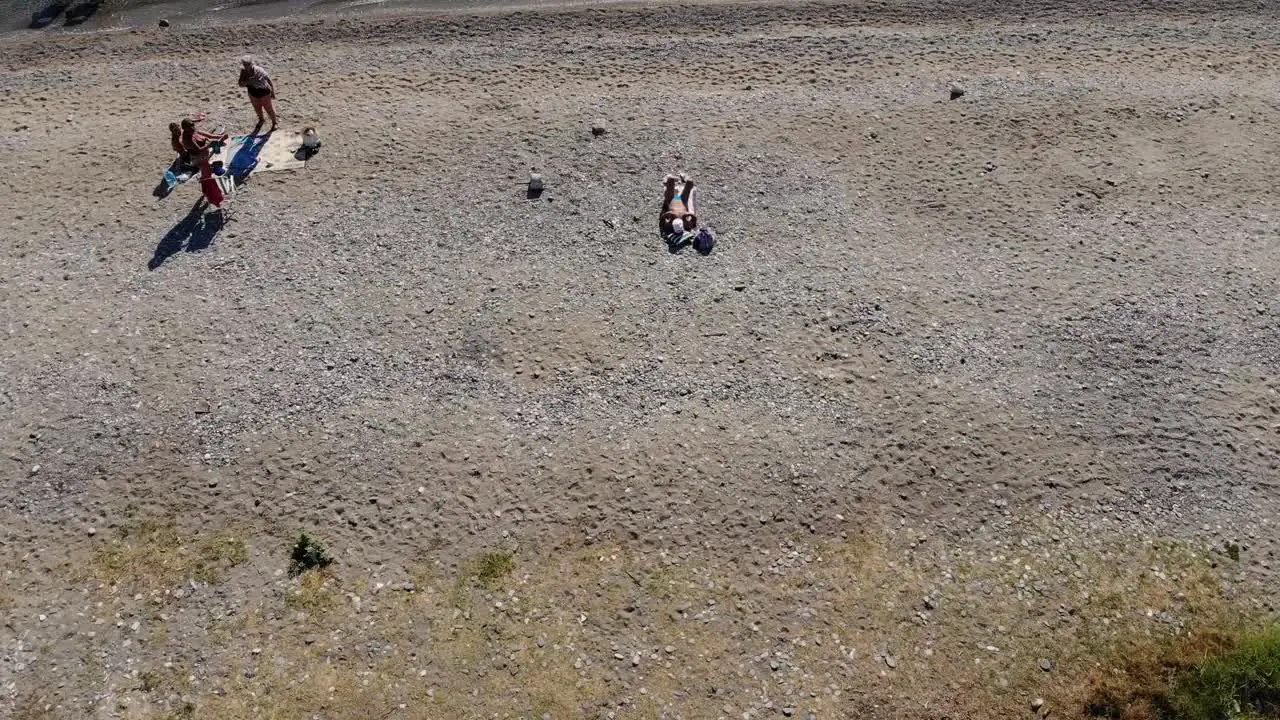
{"x": 44, "y": 18}
{"x": 79, "y": 13}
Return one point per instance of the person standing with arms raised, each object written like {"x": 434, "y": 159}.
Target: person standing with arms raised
{"x": 262, "y": 92}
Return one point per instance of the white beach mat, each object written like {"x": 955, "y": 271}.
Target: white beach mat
{"x": 277, "y": 151}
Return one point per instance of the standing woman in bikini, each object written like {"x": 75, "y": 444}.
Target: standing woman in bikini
{"x": 262, "y": 91}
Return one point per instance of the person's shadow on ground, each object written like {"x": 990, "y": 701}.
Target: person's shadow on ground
{"x": 245, "y": 161}
{"x": 195, "y": 232}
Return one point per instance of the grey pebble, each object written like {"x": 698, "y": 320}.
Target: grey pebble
{"x": 1046, "y": 664}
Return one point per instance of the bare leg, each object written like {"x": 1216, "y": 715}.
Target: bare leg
{"x": 667, "y": 196}
{"x": 270, "y": 104}
{"x": 688, "y": 196}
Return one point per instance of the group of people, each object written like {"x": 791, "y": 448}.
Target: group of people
{"x": 677, "y": 220}
{"x": 195, "y": 148}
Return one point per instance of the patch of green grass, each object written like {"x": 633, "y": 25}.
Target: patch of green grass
{"x": 492, "y": 567}
{"x": 1220, "y": 673}
{"x": 1243, "y": 682}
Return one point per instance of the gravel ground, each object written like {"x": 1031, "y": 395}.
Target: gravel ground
{"x": 1050, "y": 300}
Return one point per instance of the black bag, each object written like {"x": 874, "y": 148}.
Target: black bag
{"x": 704, "y": 242}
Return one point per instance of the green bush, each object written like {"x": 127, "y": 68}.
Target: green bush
{"x": 308, "y": 554}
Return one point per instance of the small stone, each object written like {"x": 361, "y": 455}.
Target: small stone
{"x": 1046, "y": 664}
{"x": 201, "y": 407}
{"x": 635, "y": 659}
{"x": 930, "y": 604}
{"x": 536, "y": 182}
{"x": 598, "y": 128}
{"x": 163, "y": 23}
{"x": 788, "y": 711}
{"x": 773, "y": 665}
{"x": 891, "y": 661}
{"x": 957, "y": 91}
{"x": 93, "y": 531}
{"x": 1037, "y": 703}
{"x": 669, "y": 649}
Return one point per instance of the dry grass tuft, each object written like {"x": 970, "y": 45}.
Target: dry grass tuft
{"x": 314, "y": 592}
{"x": 150, "y": 556}
{"x": 34, "y": 706}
